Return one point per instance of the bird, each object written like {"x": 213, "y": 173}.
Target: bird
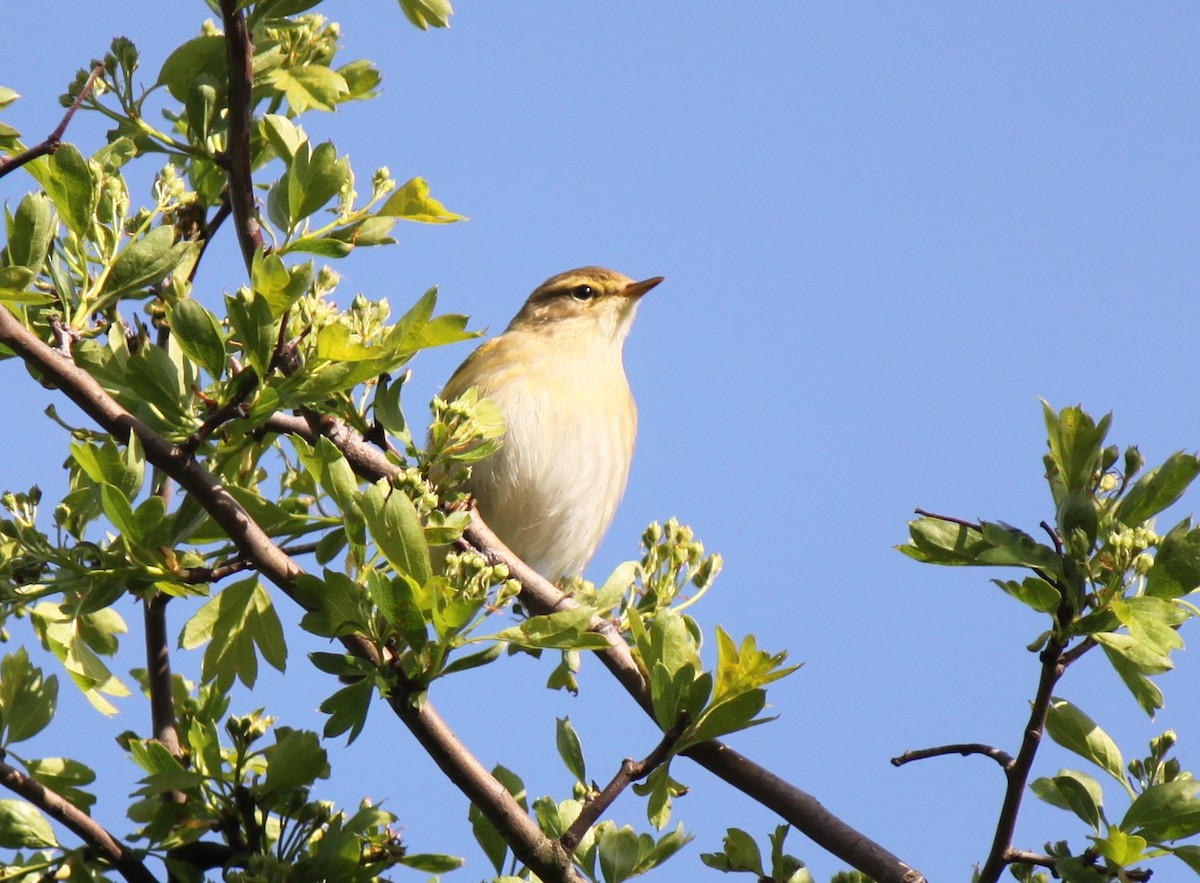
{"x": 557, "y": 375}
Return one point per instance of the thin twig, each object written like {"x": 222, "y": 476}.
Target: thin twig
{"x": 247, "y": 382}
{"x": 197, "y": 575}
{"x": 1018, "y": 772}
{"x": 948, "y": 518}
{"x": 964, "y": 748}
{"x": 239, "y": 52}
{"x": 630, "y": 771}
{"x": 54, "y": 139}
{"x": 127, "y": 862}
{"x": 1054, "y": 537}
{"x": 1023, "y": 857}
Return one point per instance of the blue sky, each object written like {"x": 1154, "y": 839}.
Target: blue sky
{"x": 886, "y": 230}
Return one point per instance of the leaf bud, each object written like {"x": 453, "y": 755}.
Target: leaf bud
{"x": 1134, "y": 461}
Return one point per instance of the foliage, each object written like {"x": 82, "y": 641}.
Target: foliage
{"x": 1104, "y": 577}
{"x": 229, "y": 437}
{"x": 110, "y": 284}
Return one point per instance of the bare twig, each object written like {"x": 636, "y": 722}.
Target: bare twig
{"x": 239, "y": 52}
{"x": 197, "y": 575}
{"x": 54, "y": 139}
{"x": 795, "y": 806}
{"x": 1023, "y": 857}
{"x": 964, "y": 748}
{"x": 127, "y": 863}
{"x": 1053, "y": 534}
{"x": 246, "y": 381}
{"x": 548, "y": 859}
{"x": 1018, "y": 773}
{"x": 539, "y": 852}
{"x": 948, "y": 518}
{"x": 630, "y": 771}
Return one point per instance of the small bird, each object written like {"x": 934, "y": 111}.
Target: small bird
{"x": 557, "y": 376}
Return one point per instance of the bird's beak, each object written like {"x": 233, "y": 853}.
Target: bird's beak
{"x": 637, "y": 289}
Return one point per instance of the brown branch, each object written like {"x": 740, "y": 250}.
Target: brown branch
{"x": 800, "y": 809}
{"x": 210, "y": 230}
{"x": 1018, "y": 772}
{"x": 197, "y": 575}
{"x": 1023, "y": 857}
{"x": 964, "y": 748}
{"x": 127, "y": 862}
{"x": 247, "y": 382}
{"x": 239, "y": 53}
{"x": 630, "y": 771}
{"x": 529, "y": 844}
{"x": 1054, "y": 537}
{"x": 158, "y": 675}
{"x": 54, "y": 139}
{"x": 546, "y": 857}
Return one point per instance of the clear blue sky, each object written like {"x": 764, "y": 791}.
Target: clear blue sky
{"x": 887, "y": 229}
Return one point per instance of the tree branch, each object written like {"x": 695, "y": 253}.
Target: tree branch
{"x": 539, "y": 596}
{"x": 630, "y": 771}
{"x": 239, "y": 52}
{"x": 964, "y": 748}
{"x": 546, "y": 857}
{"x": 158, "y": 673}
{"x": 529, "y": 844}
{"x": 1018, "y": 772}
{"x": 54, "y": 139}
{"x": 87, "y": 829}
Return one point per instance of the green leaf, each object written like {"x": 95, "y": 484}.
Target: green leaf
{"x": 427, "y": 13}
{"x": 1142, "y": 658}
{"x": 397, "y": 601}
{"x": 31, "y": 232}
{"x": 569, "y": 748}
{"x": 1075, "y": 444}
{"x": 310, "y": 86}
{"x": 1157, "y": 489}
{"x": 64, "y": 776}
{"x": 284, "y": 136}
{"x": 1176, "y": 569}
{"x": 233, "y": 623}
{"x": 937, "y": 541}
{"x": 347, "y": 709}
{"x": 432, "y": 862}
{"x": 618, "y": 850}
{"x": 296, "y": 761}
{"x": 198, "y": 334}
{"x": 253, "y": 327}
{"x": 395, "y": 526}
{"x": 1074, "y": 791}
{"x": 1152, "y": 621}
{"x": 193, "y": 60}
{"x": 1166, "y": 811}
{"x": 23, "y": 826}
{"x": 145, "y": 261}
{"x": 1034, "y": 592}
{"x": 412, "y": 202}
{"x": 68, "y": 181}
{"x": 1075, "y": 731}
{"x": 1015, "y": 547}
{"x": 314, "y": 179}
{"x": 1147, "y": 694}
{"x": 564, "y": 630}
{"x": 27, "y": 700}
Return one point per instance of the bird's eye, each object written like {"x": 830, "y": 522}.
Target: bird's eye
{"x": 583, "y": 292}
